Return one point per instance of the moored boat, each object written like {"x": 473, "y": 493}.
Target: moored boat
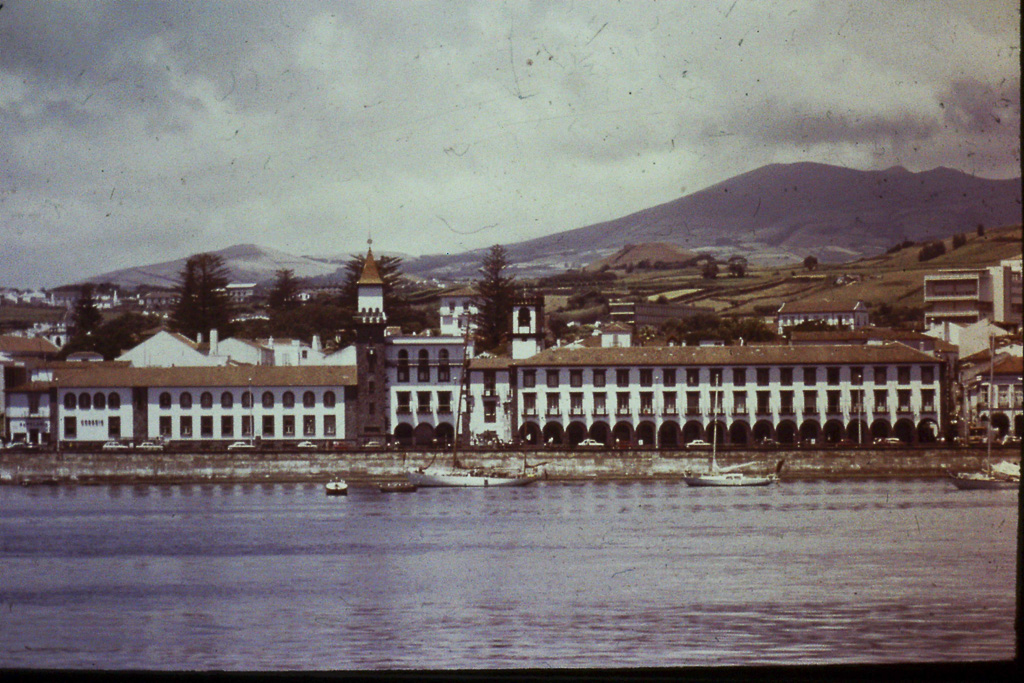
{"x": 1002, "y": 475}
{"x": 397, "y": 487}
{"x": 468, "y": 478}
{"x": 336, "y": 488}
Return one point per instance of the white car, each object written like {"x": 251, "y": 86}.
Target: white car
{"x": 241, "y": 446}
{"x": 150, "y": 446}
{"x": 305, "y": 444}
{"x": 115, "y": 446}
{"x": 590, "y": 443}
{"x": 698, "y": 443}
{"x": 890, "y": 441}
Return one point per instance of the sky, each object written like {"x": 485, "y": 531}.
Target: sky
{"x": 135, "y": 132}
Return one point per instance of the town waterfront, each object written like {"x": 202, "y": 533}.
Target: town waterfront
{"x": 558, "y": 574}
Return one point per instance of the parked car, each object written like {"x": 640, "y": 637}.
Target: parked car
{"x": 305, "y": 444}
{"x": 590, "y": 443}
{"x": 373, "y": 444}
{"x": 698, "y": 443}
{"x": 116, "y": 446}
{"x": 889, "y": 441}
{"x": 242, "y": 446}
{"x": 150, "y": 446}
{"x": 1010, "y": 440}
{"x": 21, "y": 446}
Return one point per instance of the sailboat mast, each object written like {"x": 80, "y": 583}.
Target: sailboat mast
{"x": 714, "y": 427}
{"x": 463, "y": 379}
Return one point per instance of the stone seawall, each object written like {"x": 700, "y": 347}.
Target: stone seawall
{"x": 365, "y": 467}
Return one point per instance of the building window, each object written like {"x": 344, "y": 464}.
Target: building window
{"x": 70, "y": 428}
{"x": 600, "y": 403}
{"x": 786, "y": 377}
{"x": 371, "y": 359}
{"x": 114, "y": 401}
{"x": 206, "y": 426}
{"x": 288, "y": 425}
{"x": 529, "y": 404}
{"x": 599, "y": 378}
{"x": 114, "y": 428}
{"x": 810, "y": 376}
{"x": 99, "y": 401}
{"x": 903, "y": 401}
{"x": 165, "y": 426}
{"x": 33, "y": 404}
{"x": 668, "y": 377}
{"x": 764, "y": 402}
{"x": 810, "y": 403}
{"x": 423, "y": 366}
{"x": 552, "y": 379}
{"x": 857, "y": 401}
{"x": 268, "y": 399}
{"x": 330, "y": 427}
{"x": 247, "y": 429}
{"x": 422, "y": 401}
{"x": 739, "y": 377}
{"x": 70, "y": 402}
{"x": 622, "y": 403}
{"x": 716, "y": 375}
{"x": 881, "y": 400}
{"x": 308, "y": 399}
{"x": 575, "y": 378}
{"x": 622, "y": 377}
{"x": 227, "y": 426}
{"x": 247, "y": 399}
{"x": 404, "y": 406}
{"x": 185, "y": 400}
{"x": 553, "y": 408}
{"x": 309, "y": 425}
{"x": 490, "y": 383}
{"x": 646, "y": 377}
{"x": 576, "y": 403}
{"x": 762, "y": 376}
{"x": 692, "y": 402}
{"x": 288, "y": 400}
{"x": 856, "y": 375}
{"x": 647, "y": 403}
{"x": 268, "y": 425}
{"x": 786, "y": 402}
{"x": 444, "y": 402}
{"x": 881, "y": 375}
{"x": 490, "y": 411}
{"x": 84, "y": 401}
{"x": 185, "y": 426}
{"x": 903, "y": 374}
{"x": 669, "y": 402}
{"x": 739, "y": 402}
{"x": 927, "y": 374}
{"x": 444, "y": 372}
{"x": 832, "y": 399}
{"x": 329, "y": 399}
{"x": 692, "y": 377}
{"x": 716, "y": 402}
{"x": 403, "y": 366}
{"x": 832, "y": 376}
{"x": 529, "y": 378}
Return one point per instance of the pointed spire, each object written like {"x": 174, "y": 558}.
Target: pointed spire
{"x": 370, "y": 276}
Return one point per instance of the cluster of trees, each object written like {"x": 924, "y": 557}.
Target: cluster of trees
{"x": 703, "y": 326}
{"x": 931, "y": 250}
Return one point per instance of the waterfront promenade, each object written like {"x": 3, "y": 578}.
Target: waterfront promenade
{"x": 368, "y": 466}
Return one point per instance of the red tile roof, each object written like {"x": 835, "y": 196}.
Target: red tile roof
{"x": 229, "y": 375}
{"x": 10, "y": 343}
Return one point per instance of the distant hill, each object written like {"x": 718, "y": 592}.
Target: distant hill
{"x": 651, "y": 253}
{"x": 245, "y": 262}
{"x": 779, "y": 214}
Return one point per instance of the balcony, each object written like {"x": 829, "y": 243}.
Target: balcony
{"x": 600, "y": 412}
{"x": 423, "y": 410}
{"x": 403, "y": 410}
{"x": 576, "y": 412}
{"x": 670, "y": 410}
{"x": 444, "y": 410}
{"x": 553, "y": 413}
{"x": 904, "y": 409}
{"x": 529, "y": 412}
{"x": 646, "y": 410}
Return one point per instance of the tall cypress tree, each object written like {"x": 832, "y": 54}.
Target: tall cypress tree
{"x": 87, "y": 316}
{"x": 495, "y": 292}
{"x": 203, "y": 303}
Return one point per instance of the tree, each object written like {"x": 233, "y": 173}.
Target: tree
{"x": 86, "y": 317}
{"x": 981, "y": 229}
{"x": 113, "y": 337}
{"x": 285, "y": 293}
{"x": 203, "y": 303}
{"x": 811, "y": 262}
{"x": 737, "y": 266}
{"x": 710, "y": 270}
{"x": 494, "y": 299}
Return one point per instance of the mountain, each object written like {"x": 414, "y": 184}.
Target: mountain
{"x": 245, "y": 262}
{"x": 652, "y": 252}
{"x": 776, "y": 214}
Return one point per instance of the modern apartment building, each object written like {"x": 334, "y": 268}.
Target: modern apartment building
{"x": 965, "y": 296}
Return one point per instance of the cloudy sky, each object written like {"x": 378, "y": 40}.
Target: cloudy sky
{"x": 137, "y": 132}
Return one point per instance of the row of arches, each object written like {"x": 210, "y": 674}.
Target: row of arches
{"x": 85, "y": 401}
{"x": 1002, "y": 426}
{"x": 673, "y": 435}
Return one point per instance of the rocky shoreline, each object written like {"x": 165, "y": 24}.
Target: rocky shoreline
{"x": 372, "y": 467}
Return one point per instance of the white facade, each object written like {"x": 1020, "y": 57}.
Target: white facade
{"x": 965, "y": 296}
{"x": 424, "y": 375}
{"x": 457, "y": 312}
{"x": 169, "y": 349}
{"x": 848, "y": 317}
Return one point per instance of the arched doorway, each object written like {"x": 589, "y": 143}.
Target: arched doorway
{"x": 623, "y": 433}
{"x": 445, "y": 434}
{"x": 424, "y": 434}
{"x": 403, "y": 434}
{"x": 529, "y": 434}
{"x": 832, "y": 432}
{"x": 880, "y": 429}
{"x": 927, "y": 431}
{"x": 645, "y": 434}
{"x": 739, "y": 434}
{"x": 716, "y": 432}
{"x": 763, "y": 430}
{"x": 785, "y": 433}
{"x": 1000, "y": 423}
{"x": 904, "y": 431}
{"x": 575, "y": 432}
{"x": 599, "y": 432}
{"x": 668, "y": 435}
{"x": 553, "y": 434}
{"x": 692, "y": 431}
{"x": 810, "y": 432}
{"x": 857, "y": 432}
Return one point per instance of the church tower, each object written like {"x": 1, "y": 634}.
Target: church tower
{"x": 369, "y": 409}
{"x": 527, "y": 326}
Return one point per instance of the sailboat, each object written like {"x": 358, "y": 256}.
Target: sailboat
{"x": 1003, "y": 475}
{"x": 457, "y": 475}
{"x": 731, "y": 475}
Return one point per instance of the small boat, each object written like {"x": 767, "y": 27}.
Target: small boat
{"x": 1003, "y": 475}
{"x": 397, "y": 487}
{"x": 454, "y": 477}
{"x": 336, "y": 488}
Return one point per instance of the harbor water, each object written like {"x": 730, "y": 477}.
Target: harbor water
{"x": 243, "y": 577}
